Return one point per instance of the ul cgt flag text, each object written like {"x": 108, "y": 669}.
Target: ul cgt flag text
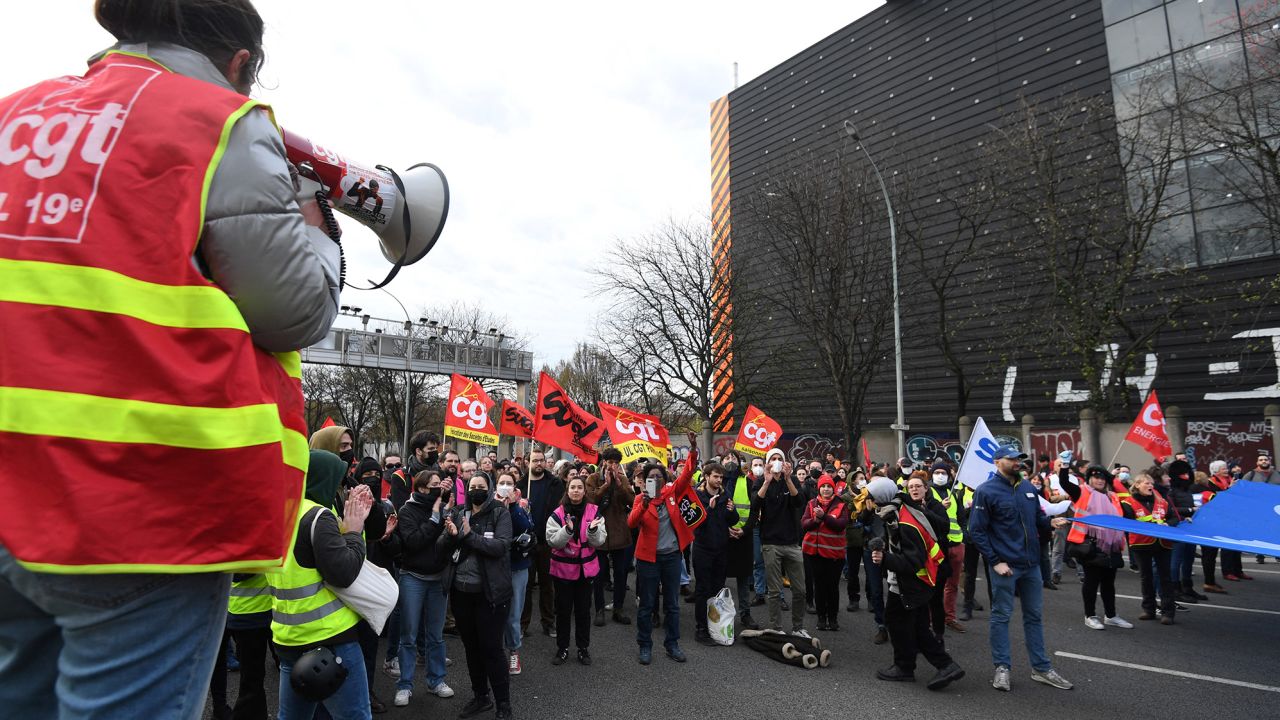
{"x": 559, "y": 422}
{"x": 466, "y": 416}
{"x": 516, "y": 421}
{"x": 758, "y": 433}
{"x": 634, "y": 434}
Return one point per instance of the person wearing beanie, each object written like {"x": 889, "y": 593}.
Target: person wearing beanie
{"x": 824, "y": 521}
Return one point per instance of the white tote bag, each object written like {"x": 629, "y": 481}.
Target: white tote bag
{"x": 374, "y": 593}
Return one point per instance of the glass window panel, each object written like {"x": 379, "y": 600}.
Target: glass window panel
{"x": 1172, "y": 244}
{"x": 1232, "y": 232}
{"x": 1216, "y": 121}
{"x": 1149, "y": 139}
{"x": 1136, "y": 40}
{"x": 1116, "y": 10}
{"x": 1164, "y": 184}
{"x": 1195, "y": 21}
{"x": 1218, "y": 179}
{"x": 1144, "y": 88}
{"x": 1210, "y": 67}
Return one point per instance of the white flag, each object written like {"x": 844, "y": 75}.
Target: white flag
{"x": 979, "y": 456}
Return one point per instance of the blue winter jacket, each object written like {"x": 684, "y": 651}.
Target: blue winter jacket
{"x": 1004, "y": 522}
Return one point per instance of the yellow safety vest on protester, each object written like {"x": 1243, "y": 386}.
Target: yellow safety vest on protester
{"x": 954, "y": 532}
{"x": 249, "y": 596}
{"x": 742, "y": 500}
{"x": 303, "y": 610}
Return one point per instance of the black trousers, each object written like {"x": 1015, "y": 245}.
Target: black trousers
{"x": 368, "y": 648}
{"x": 809, "y": 579}
{"x": 615, "y": 565}
{"x": 251, "y": 650}
{"x": 1099, "y": 578}
{"x": 971, "y": 556}
{"x": 573, "y": 603}
{"x": 480, "y": 625}
{"x": 853, "y": 563}
{"x": 1232, "y": 563}
{"x": 1209, "y": 563}
{"x": 540, "y": 569}
{"x": 1161, "y": 555}
{"x": 709, "y": 573}
{"x": 911, "y": 635}
{"x": 826, "y": 583}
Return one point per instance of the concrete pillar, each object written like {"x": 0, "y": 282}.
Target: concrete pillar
{"x": 965, "y": 428}
{"x": 1176, "y": 428}
{"x": 708, "y": 440}
{"x": 1028, "y": 422}
{"x": 1089, "y": 427}
{"x": 1272, "y": 414}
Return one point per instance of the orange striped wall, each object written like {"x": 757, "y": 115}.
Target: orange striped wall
{"x": 721, "y": 242}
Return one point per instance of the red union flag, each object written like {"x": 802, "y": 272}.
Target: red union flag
{"x": 466, "y": 417}
{"x": 758, "y": 433}
{"x": 516, "y": 421}
{"x": 559, "y": 422}
{"x": 634, "y": 434}
{"x": 1148, "y": 429}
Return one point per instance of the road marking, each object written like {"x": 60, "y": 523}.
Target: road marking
{"x": 1166, "y": 671}
{"x": 1212, "y": 607}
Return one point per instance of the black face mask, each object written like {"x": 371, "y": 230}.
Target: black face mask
{"x": 430, "y": 458}
{"x": 432, "y": 494}
{"x": 348, "y": 456}
{"x": 477, "y": 497}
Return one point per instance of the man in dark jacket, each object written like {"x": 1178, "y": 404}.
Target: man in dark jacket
{"x": 1180, "y": 474}
{"x": 1004, "y": 525}
{"x": 776, "y": 508}
{"x": 544, "y": 491}
{"x": 741, "y": 549}
{"x": 711, "y": 545}
{"x": 912, "y": 557}
{"x": 424, "y": 448}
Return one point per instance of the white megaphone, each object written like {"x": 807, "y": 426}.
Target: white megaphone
{"x": 405, "y": 210}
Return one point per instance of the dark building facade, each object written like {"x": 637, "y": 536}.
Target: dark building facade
{"x": 943, "y": 75}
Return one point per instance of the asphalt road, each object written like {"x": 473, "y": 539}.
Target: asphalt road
{"x": 1233, "y": 639}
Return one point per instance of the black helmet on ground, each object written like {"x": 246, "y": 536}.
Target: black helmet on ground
{"x": 317, "y": 674}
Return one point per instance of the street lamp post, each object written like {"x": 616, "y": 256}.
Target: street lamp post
{"x": 900, "y": 426}
{"x": 408, "y": 356}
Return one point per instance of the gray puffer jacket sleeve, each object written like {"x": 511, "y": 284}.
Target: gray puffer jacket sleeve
{"x": 282, "y": 274}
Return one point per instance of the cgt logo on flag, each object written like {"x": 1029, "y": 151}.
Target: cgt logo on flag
{"x": 468, "y": 413}
{"x": 1148, "y": 430}
{"x": 636, "y": 435}
{"x": 758, "y": 434}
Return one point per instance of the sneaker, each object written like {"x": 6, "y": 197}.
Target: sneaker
{"x": 448, "y": 662}
{"x": 442, "y": 691}
{"x": 1051, "y": 677}
{"x": 513, "y": 665}
{"x": 881, "y": 636}
{"x": 646, "y": 655}
{"x": 584, "y": 656}
{"x": 1197, "y": 596}
{"x": 504, "y": 711}
{"x": 801, "y": 632}
{"x": 945, "y": 677}
{"x": 1093, "y": 623}
{"x": 391, "y": 668}
{"x": 1183, "y": 596}
{"x": 561, "y": 656}
{"x": 1119, "y": 622}
{"x": 549, "y": 631}
{"x": 475, "y": 706}
{"x": 1001, "y": 679}
{"x": 402, "y": 697}
{"x": 675, "y": 653}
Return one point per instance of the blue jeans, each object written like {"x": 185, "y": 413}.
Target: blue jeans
{"x": 648, "y": 575}
{"x": 421, "y": 600}
{"x": 1029, "y": 584}
{"x": 1184, "y": 560}
{"x": 759, "y": 563}
{"x": 512, "y": 639}
{"x": 350, "y": 702}
{"x": 135, "y": 646}
{"x": 874, "y": 587}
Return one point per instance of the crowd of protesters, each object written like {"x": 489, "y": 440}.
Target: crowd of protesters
{"x": 476, "y": 544}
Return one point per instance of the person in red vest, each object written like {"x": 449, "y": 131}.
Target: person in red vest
{"x": 664, "y": 534}
{"x": 824, "y": 521}
{"x": 911, "y": 558}
{"x": 575, "y": 531}
{"x": 1144, "y": 504}
{"x": 1098, "y": 551}
{"x": 166, "y": 244}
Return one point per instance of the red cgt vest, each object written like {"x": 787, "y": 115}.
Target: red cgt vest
{"x": 141, "y": 427}
{"x": 565, "y": 561}
{"x": 1159, "y": 509}
{"x": 822, "y": 540}
{"x": 1081, "y": 506}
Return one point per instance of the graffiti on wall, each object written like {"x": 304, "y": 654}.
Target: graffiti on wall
{"x": 798, "y": 448}
{"x": 1235, "y": 442}
{"x": 1053, "y": 441}
{"x": 924, "y": 449}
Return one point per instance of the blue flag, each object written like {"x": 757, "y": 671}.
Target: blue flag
{"x": 1245, "y": 517}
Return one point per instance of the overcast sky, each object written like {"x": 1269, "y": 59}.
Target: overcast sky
{"x": 562, "y": 127}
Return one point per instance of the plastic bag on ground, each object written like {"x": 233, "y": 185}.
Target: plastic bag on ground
{"x": 720, "y": 617}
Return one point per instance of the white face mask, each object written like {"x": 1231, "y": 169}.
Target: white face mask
{"x": 757, "y": 470}
{"x": 940, "y": 478}
{"x": 504, "y": 490}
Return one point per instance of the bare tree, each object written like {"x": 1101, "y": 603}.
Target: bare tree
{"x": 823, "y": 267}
